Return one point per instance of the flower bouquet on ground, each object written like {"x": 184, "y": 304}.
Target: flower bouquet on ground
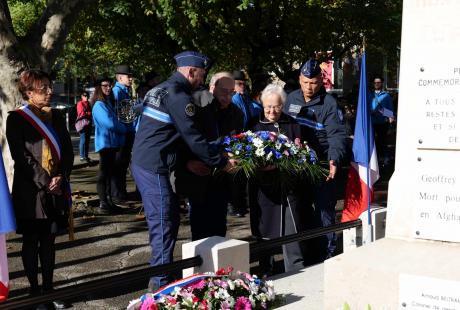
{"x": 220, "y": 290}
{"x": 262, "y": 149}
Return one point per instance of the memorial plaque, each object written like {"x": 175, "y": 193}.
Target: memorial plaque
{"x": 416, "y": 292}
{"x": 437, "y": 196}
{"x": 438, "y": 96}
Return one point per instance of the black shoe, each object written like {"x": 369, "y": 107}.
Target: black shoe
{"x": 88, "y": 160}
{"x": 61, "y": 304}
{"x": 103, "y": 209}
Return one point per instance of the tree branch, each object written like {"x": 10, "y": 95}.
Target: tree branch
{"x": 46, "y": 37}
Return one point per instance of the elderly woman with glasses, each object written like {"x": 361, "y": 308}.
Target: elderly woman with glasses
{"x": 277, "y": 209}
{"x": 109, "y": 137}
{"x": 42, "y": 151}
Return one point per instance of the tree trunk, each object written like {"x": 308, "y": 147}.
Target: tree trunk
{"x": 38, "y": 49}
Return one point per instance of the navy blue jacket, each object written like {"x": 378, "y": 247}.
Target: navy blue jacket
{"x": 321, "y": 121}
{"x": 167, "y": 121}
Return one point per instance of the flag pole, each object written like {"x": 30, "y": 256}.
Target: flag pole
{"x": 369, "y": 238}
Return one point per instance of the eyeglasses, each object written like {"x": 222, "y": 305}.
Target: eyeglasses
{"x": 45, "y": 89}
{"x": 276, "y": 108}
{"x": 106, "y": 85}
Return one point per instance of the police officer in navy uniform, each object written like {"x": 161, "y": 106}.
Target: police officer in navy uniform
{"x": 167, "y": 122}
{"x": 323, "y": 129}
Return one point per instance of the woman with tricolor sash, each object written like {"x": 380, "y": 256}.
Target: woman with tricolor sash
{"x": 42, "y": 151}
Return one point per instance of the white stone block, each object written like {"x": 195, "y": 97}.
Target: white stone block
{"x": 370, "y": 275}
{"x": 217, "y": 252}
{"x": 355, "y": 237}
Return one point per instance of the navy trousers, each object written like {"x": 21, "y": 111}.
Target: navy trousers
{"x": 208, "y": 210}
{"x": 161, "y": 208}
{"x": 325, "y": 199}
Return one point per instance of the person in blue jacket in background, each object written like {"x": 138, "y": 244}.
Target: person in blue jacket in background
{"x": 322, "y": 127}
{"x": 121, "y": 91}
{"x": 382, "y": 117}
{"x": 109, "y": 137}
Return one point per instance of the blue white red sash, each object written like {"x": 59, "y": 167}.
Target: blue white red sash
{"x": 38, "y": 124}
{"x": 166, "y": 290}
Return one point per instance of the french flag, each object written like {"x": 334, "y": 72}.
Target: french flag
{"x": 7, "y": 224}
{"x": 364, "y": 170}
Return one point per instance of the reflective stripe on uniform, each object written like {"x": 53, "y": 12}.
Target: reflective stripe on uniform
{"x": 157, "y": 115}
{"x": 309, "y": 123}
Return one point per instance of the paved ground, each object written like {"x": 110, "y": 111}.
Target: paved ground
{"x": 108, "y": 245}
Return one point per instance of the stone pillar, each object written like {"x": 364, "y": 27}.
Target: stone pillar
{"x": 416, "y": 265}
{"x": 217, "y": 252}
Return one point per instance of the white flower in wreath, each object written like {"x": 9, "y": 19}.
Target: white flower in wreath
{"x": 254, "y": 288}
{"x": 257, "y": 142}
{"x": 278, "y": 145}
{"x": 231, "y": 285}
{"x": 269, "y": 155}
{"x": 260, "y": 152}
{"x": 237, "y": 152}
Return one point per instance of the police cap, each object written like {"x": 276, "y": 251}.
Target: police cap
{"x": 192, "y": 59}
{"x": 310, "y": 68}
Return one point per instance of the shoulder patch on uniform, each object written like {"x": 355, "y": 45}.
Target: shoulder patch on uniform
{"x": 294, "y": 108}
{"x": 154, "y": 96}
{"x": 190, "y": 109}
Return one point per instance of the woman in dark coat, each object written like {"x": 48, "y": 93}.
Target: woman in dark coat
{"x": 43, "y": 156}
{"x": 278, "y": 209}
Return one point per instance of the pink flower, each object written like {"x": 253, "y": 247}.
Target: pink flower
{"x": 149, "y": 304}
{"x": 197, "y": 285}
{"x": 243, "y": 303}
{"x": 297, "y": 142}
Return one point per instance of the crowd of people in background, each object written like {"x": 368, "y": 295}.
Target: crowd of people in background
{"x": 171, "y": 148}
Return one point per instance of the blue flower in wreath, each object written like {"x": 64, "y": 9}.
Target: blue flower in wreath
{"x": 239, "y": 147}
{"x": 227, "y": 149}
{"x": 313, "y": 157}
{"x": 250, "y": 139}
{"x": 278, "y": 155}
{"x": 265, "y": 135}
{"x": 227, "y": 141}
{"x": 248, "y": 148}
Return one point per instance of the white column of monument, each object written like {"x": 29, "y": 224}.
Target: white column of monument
{"x": 424, "y": 201}
{"x": 417, "y": 264}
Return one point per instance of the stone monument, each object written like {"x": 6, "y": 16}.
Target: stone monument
{"x": 417, "y": 264}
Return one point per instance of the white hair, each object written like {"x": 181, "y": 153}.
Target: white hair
{"x": 273, "y": 89}
{"x": 217, "y": 76}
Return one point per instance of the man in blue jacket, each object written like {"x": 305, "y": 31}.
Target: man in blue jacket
{"x": 168, "y": 121}
{"x": 324, "y": 131}
{"x": 120, "y": 91}
{"x": 382, "y": 117}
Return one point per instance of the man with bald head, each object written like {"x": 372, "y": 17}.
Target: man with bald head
{"x": 209, "y": 195}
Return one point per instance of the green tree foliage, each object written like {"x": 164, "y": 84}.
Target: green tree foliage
{"x": 258, "y": 35}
